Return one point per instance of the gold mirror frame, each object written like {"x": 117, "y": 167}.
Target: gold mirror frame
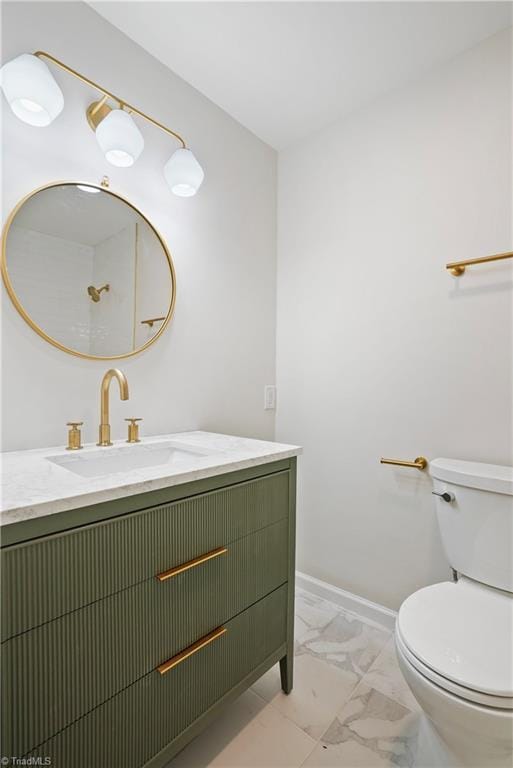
{"x": 17, "y": 304}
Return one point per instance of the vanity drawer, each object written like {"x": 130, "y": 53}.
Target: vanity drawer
{"x": 135, "y": 725}
{"x": 57, "y": 574}
{"x": 56, "y": 673}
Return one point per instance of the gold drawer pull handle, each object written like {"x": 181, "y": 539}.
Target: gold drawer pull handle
{"x": 192, "y": 649}
{"x": 419, "y": 463}
{"x": 191, "y": 564}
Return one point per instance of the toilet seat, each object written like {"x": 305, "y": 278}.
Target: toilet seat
{"x": 460, "y": 636}
{"x": 461, "y": 692}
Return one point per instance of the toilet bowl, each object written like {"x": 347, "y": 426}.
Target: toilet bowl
{"x": 454, "y": 640}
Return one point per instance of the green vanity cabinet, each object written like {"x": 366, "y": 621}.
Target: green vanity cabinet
{"x": 123, "y": 636}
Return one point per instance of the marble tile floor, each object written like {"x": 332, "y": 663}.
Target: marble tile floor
{"x": 350, "y": 707}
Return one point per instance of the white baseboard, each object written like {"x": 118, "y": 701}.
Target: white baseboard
{"x": 346, "y": 600}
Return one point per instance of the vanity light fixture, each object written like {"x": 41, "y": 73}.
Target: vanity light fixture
{"x": 35, "y": 98}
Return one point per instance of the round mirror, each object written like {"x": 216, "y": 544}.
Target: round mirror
{"x": 87, "y": 271}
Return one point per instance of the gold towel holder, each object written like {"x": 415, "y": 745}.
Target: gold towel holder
{"x": 457, "y": 268}
{"x": 419, "y": 463}
{"x": 152, "y": 320}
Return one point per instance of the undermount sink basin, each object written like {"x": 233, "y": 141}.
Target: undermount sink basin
{"x": 109, "y": 461}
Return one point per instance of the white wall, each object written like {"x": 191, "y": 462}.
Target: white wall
{"x": 380, "y": 351}
{"x": 210, "y": 367}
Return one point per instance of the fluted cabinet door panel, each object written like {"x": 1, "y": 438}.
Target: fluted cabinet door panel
{"x": 59, "y": 671}
{"x": 57, "y": 574}
{"x": 129, "y": 729}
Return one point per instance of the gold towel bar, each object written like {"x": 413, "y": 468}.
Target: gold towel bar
{"x": 419, "y": 463}
{"x": 152, "y": 320}
{"x": 457, "y": 268}
{"x": 194, "y": 648}
{"x": 191, "y": 563}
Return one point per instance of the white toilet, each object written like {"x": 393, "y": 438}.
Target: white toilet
{"x": 454, "y": 640}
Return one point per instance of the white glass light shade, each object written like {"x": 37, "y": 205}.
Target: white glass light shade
{"x": 183, "y": 173}
{"x": 119, "y": 138}
{"x": 31, "y": 90}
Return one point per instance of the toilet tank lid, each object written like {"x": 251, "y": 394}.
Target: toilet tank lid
{"x": 472, "y": 474}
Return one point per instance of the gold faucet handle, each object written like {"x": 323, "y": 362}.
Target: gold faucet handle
{"x": 133, "y": 430}
{"x": 74, "y": 436}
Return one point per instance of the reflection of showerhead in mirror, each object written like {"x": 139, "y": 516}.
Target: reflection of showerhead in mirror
{"x": 94, "y": 293}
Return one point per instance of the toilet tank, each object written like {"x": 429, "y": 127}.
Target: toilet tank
{"x": 477, "y": 525}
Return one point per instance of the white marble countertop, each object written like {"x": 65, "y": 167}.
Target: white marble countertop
{"x": 34, "y": 486}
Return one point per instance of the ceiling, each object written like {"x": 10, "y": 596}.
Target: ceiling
{"x": 287, "y": 69}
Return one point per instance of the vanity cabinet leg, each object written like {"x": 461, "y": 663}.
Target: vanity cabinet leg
{"x": 287, "y": 672}
{"x": 287, "y": 662}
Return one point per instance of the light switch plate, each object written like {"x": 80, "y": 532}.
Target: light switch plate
{"x": 269, "y": 397}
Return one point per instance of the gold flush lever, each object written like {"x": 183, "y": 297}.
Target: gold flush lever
{"x": 419, "y": 463}
{"x": 74, "y": 436}
{"x": 133, "y": 431}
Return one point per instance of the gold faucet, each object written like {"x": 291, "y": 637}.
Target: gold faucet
{"x": 113, "y": 373}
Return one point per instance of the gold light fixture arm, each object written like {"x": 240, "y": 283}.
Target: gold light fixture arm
{"x": 457, "y": 268}
{"x": 107, "y": 95}
{"x": 419, "y": 463}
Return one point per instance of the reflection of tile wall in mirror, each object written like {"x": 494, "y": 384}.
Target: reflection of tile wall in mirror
{"x": 51, "y": 276}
